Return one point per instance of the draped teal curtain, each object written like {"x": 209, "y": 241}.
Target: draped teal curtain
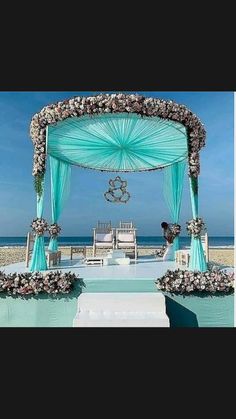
{"x": 197, "y": 257}
{"x": 173, "y": 188}
{"x": 118, "y": 142}
{"x": 38, "y": 261}
{"x": 60, "y": 185}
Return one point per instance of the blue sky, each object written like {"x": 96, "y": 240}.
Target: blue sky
{"x": 86, "y": 203}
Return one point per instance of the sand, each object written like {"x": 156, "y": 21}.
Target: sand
{"x": 12, "y": 254}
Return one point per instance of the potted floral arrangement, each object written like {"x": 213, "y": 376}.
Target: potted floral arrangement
{"x": 199, "y": 299}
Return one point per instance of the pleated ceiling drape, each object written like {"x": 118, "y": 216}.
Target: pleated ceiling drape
{"x": 118, "y": 142}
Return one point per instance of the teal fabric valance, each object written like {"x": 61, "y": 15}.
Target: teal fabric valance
{"x": 118, "y": 142}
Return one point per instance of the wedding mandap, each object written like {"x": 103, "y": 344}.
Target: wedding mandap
{"x": 116, "y": 133}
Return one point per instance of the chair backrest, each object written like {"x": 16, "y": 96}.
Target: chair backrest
{"x": 103, "y": 233}
{"x": 103, "y": 227}
{"x": 125, "y": 224}
{"x": 29, "y": 247}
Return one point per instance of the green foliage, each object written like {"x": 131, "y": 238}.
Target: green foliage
{"x": 38, "y": 184}
{"x": 194, "y": 183}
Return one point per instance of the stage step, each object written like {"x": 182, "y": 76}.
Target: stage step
{"x": 121, "y": 310}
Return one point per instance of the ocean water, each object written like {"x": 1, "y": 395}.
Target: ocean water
{"x": 220, "y": 241}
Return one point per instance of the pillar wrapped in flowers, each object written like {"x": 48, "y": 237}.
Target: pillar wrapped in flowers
{"x": 38, "y": 261}
{"x": 39, "y": 227}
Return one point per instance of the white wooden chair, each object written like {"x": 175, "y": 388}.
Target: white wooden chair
{"x": 126, "y": 239}
{"x": 29, "y": 247}
{"x": 182, "y": 256}
{"x": 103, "y": 237}
{"x": 53, "y": 258}
{"x": 205, "y": 245}
{"x": 126, "y": 224}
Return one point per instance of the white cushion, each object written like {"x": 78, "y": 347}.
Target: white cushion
{"x": 104, "y": 244}
{"x": 125, "y": 237}
{"x": 104, "y": 237}
{"x": 125, "y": 244}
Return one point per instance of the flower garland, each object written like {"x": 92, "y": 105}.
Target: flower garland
{"x": 195, "y": 227}
{"x": 180, "y": 281}
{"x": 110, "y": 103}
{"x": 39, "y": 226}
{"x": 54, "y": 230}
{"x": 54, "y": 282}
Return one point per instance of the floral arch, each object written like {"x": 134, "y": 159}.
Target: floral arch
{"x": 116, "y": 133}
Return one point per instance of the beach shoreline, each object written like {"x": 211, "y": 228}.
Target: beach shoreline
{"x": 223, "y": 255}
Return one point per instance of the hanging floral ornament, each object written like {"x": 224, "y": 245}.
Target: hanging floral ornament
{"x": 117, "y": 192}
{"x": 39, "y": 226}
{"x": 195, "y": 227}
{"x": 54, "y": 230}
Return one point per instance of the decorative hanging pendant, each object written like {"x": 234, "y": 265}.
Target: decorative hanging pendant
{"x": 117, "y": 192}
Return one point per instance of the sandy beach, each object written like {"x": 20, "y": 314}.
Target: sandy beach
{"x": 15, "y": 254}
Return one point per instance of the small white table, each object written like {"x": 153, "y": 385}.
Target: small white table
{"x": 94, "y": 260}
{"x": 116, "y": 257}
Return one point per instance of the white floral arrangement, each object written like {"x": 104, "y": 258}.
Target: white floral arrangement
{"x": 110, "y": 103}
{"x": 195, "y": 227}
{"x": 180, "y": 281}
{"x": 53, "y": 282}
{"x": 54, "y": 230}
{"x": 39, "y": 226}
{"x": 175, "y": 229}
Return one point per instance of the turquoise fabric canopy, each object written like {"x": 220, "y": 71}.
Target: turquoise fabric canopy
{"x": 118, "y": 142}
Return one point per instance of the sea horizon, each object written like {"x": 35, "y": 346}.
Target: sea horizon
{"x": 142, "y": 240}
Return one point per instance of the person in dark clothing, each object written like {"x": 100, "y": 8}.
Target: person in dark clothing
{"x": 166, "y": 232}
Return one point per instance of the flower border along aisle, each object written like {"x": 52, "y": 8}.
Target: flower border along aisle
{"x": 34, "y": 283}
{"x": 198, "y": 299}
